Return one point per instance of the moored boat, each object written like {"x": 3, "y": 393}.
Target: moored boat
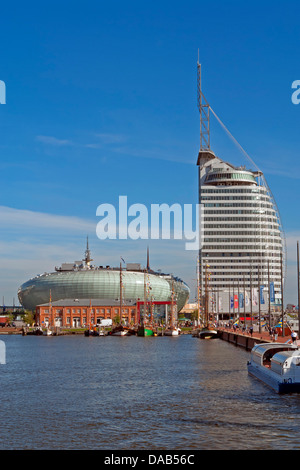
{"x": 277, "y": 365}
{"x": 145, "y": 325}
{"x": 47, "y": 332}
{"x": 94, "y": 332}
{"x": 172, "y": 331}
{"x": 208, "y": 332}
{"x": 35, "y": 332}
{"x": 145, "y": 331}
{"x": 121, "y": 330}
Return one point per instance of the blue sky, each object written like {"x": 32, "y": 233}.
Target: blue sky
{"x": 101, "y": 101}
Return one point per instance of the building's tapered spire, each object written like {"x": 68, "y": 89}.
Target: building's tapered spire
{"x": 148, "y": 263}
{"x": 204, "y": 114}
{"x": 87, "y": 258}
{"x": 205, "y": 151}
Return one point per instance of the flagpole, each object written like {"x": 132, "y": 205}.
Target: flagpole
{"x": 233, "y": 306}
{"x": 282, "y": 308}
{"x": 298, "y": 276}
{"x": 259, "y": 300}
{"x": 251, "y": 321}
{"x": 239, "y": 313}
{"x": 121, "y": 299}
{"x": 244, "y": 302}
{"x": 229, "y": 301}
{"x": 269, "y": 291}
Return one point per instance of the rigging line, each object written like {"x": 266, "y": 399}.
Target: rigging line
{"x": 236, "y": 142}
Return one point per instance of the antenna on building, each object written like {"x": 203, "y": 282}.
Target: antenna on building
{"x": 87, "y": 258}
{"x": 203, "y": 107}
{"x": 204, "y": 110}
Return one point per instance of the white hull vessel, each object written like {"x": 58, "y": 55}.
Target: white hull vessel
{"x": 47, "y": 332}
{"x": 172, "y": 332}
{"x": 121, "y": 333}
{"x": 277, "y": 365}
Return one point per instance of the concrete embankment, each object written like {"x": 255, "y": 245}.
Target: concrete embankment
{"x": 10, "y": 330}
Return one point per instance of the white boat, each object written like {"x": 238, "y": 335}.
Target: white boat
{"x": 277, "y": 365}
{"x": 47, "y": 332}
{"x": 121, "y": 330}
{"x": 172, "y": 331}
{"x": 120, "y": 333}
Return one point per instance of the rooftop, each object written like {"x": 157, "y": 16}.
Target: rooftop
{"x": 88, "y": 303}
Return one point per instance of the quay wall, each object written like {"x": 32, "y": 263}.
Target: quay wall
{"x": 239, "y": 339}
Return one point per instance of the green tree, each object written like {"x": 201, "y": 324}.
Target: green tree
{"x": 28, "y": 318}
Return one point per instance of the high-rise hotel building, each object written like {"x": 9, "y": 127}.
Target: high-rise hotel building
{"x": 242, "y": 247}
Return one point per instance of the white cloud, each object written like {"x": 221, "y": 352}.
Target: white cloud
{"x": 53, "y": 140}
{"x": 19, "y": 218}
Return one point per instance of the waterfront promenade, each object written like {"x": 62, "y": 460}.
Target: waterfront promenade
{"x": 246, "y": 340}
{"x": 236, "y": 337}
{"x": 10, "y": 330}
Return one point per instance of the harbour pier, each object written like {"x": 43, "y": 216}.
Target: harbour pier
{"x": 245, "y": 340}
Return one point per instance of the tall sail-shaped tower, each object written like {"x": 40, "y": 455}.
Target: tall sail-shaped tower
{"x": 241, "y": 237}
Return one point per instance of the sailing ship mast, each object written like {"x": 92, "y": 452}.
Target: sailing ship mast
{"x": 172, "y": 307}
{"x": 121, "y": 298}
{"x": 206, "y": 296}
{"x": 51, "y": 311}
{"x": 198, "y": 291}
{"x": 145, "y": 300}
{"x": 205, "y": 154}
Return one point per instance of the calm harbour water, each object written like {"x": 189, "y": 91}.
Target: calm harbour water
{"x": 73, "y": 392}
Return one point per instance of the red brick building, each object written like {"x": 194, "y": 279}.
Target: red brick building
{"x": 76, "y": 313}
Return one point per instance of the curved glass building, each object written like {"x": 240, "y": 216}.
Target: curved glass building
{"x": 84, "y": 281}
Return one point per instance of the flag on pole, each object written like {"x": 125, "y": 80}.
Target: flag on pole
{"x": 272, "y": 292}
{"x": 255, "y": 296}
{"x": 262, "y": 300}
